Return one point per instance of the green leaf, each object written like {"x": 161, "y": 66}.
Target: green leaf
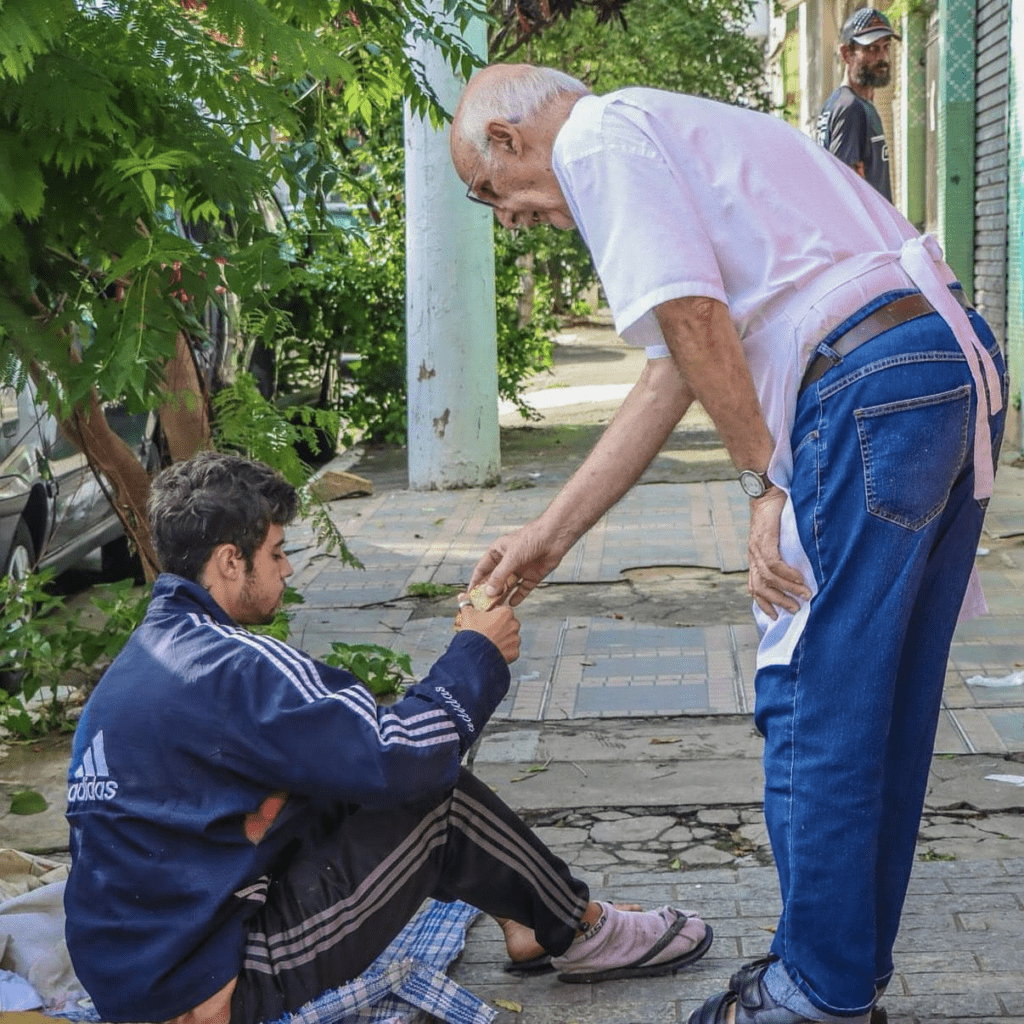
{"x": 28, "y": 801}
{"x": 21, "y": 180}
{"x": 27, "y": 29}
{"x": 148, "y": 180}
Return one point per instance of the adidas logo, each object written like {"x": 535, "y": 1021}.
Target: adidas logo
{"x": 93, "y": 778}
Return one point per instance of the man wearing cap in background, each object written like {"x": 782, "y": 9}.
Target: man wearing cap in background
{"x": 849, "y": 126}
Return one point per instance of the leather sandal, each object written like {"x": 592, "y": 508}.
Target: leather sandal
{"x": 747, "y": 971}
{"x": 753, "y": 1005}
{"x": 748, "y": 975}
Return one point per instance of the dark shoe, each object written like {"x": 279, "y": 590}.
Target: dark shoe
{"x": 748, "y": 971}
{"x": 756, "y": 968}
{"x": 753, "y": 1006}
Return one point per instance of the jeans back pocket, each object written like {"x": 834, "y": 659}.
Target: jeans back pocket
{"x": 912, "y": 452}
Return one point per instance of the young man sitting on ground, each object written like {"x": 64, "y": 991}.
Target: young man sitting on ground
{"x": 249, "y": 829}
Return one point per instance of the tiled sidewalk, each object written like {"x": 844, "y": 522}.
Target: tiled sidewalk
{"x": 957, "y": 955}
{"x": 601, "y": 667}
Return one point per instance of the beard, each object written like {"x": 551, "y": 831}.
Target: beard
{"x": 874, "y": 77}
{"x": 252, "y": 610}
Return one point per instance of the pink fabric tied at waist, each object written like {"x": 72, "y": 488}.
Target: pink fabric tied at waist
{"x": 918, "y": 259}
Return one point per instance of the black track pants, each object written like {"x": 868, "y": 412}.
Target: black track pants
{"x": 351, "y": 888}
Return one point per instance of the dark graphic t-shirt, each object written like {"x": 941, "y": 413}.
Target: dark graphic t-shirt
{"x": 849, "y": 127}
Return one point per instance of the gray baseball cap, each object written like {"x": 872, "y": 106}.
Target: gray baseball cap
{"x": 867, "y": 26}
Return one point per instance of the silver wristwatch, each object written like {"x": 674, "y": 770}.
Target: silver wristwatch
{"x": 754, "y": 484}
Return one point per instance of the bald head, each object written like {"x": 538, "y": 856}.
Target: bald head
{"x": 502, "y": 138}
{"x": 516, "y": 93}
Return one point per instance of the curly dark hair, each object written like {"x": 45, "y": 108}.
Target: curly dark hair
{"x": 214, "y": 499}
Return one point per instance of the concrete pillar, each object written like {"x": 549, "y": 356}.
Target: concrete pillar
{"x": 451, "y": 354}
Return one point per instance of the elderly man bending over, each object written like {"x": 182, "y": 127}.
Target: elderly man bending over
{"x": 860, "y": 398}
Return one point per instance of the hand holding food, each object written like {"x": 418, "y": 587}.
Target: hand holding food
{"x": 499, "y": 624}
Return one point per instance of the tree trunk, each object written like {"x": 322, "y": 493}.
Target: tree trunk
{"x": 121, "y": 470}
{"x": 184, "y": 415}
{"x": 524, "y": 305}
{"x": 185, "y": 422}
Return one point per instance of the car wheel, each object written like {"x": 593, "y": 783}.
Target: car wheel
{"x": 22, "y": 555}
{"x": 20, "y": 560}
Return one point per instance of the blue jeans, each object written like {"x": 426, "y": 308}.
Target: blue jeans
{"x": 883, "y": 492}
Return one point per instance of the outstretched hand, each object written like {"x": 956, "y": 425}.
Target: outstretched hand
{"x": 772, "y": 582}
{"x": 514, "y": 564}
{"x": 499, "y": 624}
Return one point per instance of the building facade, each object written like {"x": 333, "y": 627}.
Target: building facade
{"x": 952, "y": 114}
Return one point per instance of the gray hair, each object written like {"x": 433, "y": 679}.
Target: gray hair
{"x": 516, "y": 98}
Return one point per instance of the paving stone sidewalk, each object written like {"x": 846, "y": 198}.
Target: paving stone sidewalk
{"x": 586, "y": 667}
{"x": 958, "y": 955}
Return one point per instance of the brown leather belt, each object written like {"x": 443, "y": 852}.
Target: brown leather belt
{"x": 892, "y": 314}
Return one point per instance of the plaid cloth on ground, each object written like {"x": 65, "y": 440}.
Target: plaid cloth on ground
{"x": 408, "y": 975}
{"x": 406, "y": 984}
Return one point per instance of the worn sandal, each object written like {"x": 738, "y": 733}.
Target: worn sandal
{"x": 535, "y": 965}
{"x": 596, "y": 958}
{"x": 879, "y": 1015}
{"x": 753, "y": 1005}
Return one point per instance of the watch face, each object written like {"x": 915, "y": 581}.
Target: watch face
{"x": 752, "y": 484}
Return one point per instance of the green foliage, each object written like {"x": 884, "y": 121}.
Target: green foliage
{"x": 25, "y": 34}
{"x": 281, "y": 626}
{"x": 140, "y": 148}
{"x": 692, "y": 46}
{"x": 46, "y": 641}
{"x": 329, "y": 537}
{"x": 433, "y": 589}
{"x": 248, "y": 423}
{"x": 27, "y": 801}
{"x": 933, "y": 855}
{"x": 346, "y": 296}
{"x": 381, "y": 670}
{"x": 351, "y": 301}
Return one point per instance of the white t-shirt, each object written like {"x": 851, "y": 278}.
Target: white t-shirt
{"x": 677, "y": 196}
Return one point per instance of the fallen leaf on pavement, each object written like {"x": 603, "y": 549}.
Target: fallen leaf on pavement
{"x": 27, "y": 801}
{"x": 509, "y": 1004}
{"x": 532, "y": 770}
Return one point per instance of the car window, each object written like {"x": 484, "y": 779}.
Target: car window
{"x": 131, "y": 427}
{"x": 62, "y": 447}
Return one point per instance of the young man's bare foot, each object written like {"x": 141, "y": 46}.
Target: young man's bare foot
{"x": 522, "y": 944}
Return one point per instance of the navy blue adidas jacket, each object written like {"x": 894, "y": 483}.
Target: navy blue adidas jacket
{"x": 191, "y": 728}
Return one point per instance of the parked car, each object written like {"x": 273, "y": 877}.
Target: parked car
{"x": 53, "y": 510}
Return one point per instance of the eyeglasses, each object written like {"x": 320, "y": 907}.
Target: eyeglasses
{"x": 470, "y": 194}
